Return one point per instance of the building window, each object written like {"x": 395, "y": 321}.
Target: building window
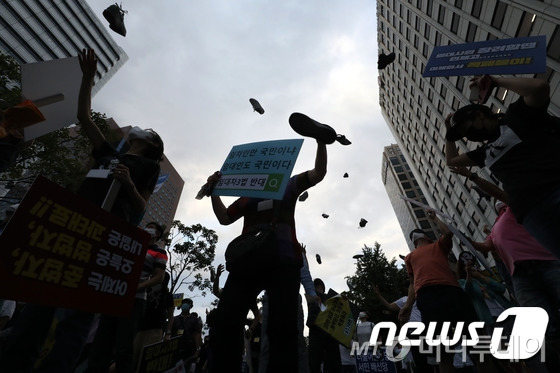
{"x": 499, "y": 15}
{"x": 427, "y": 31}
{"x": 461, "y": 83}
{"x": 454, "y": 23}
{"x": 429, "y": 8}
{"x": 526, "y": 25}
{"x": 471, "y": 32}
{"x": 438, "y": 38}
{"x": 441, "y": 15}
{"x": 553, "y": 50}
{"x": 477, "y": 8}
{"x": 425, "y": 50}
{"x": 443, "y": 91}
{"x": 459, "y": 3}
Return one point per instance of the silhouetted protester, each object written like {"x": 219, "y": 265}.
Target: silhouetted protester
{"x": 155, "y": 325}
{"x": 521, "y": 148}
{"x": 188, "y": 326}
{"x": 534, "y": 270}
{"x": 279, "y": 277}
{"x": 433, "y": 285}
{"x": 137, "y": 172}
{"x": 323, "y": 348}
{"x": 114, "y": 340}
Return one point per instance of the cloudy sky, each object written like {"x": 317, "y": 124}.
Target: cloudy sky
{"x": 193, "y": 67}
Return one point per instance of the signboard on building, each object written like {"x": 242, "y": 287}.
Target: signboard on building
{"x": 493, "y": 57}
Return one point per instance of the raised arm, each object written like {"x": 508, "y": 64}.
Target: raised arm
{"x": 88, "y": 64}
{"x": 317, "y": 174}
{"x": 452, "y": 156}
{"x": 535, "y": 92}
{"x": 388, "y": 306}
{"x": 486, "y": 186}
{"x": 440, "y": 224}
{"x": 218, "y": 206}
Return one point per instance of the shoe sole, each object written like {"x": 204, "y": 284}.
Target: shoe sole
{"x": 308, "y": 127}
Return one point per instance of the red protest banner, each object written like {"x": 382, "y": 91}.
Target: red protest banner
{"x": 62, "y": 251}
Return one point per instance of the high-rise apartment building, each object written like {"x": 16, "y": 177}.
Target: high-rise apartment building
{"x": 39, "y": 30}
{"x": 399, "y": 181}
{"x": 415, "y": 107}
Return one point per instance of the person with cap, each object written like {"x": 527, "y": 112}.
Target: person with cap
{"x": 521, "y": 148}
{"x": 279, "y": 277}
{"x": 433, "y": 284}
{"x": 188, "y": 326}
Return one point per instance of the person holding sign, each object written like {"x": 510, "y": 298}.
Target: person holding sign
{"x": 129, "y": 177}
{"x": 280, "y": 277}
{"x": 521, "y": 148}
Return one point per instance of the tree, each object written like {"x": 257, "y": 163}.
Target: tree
{"x": 191, "y": 249}
{"x": 375, "y": 269}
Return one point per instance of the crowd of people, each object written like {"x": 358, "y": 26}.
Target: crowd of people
{"x": 520, "y": 147}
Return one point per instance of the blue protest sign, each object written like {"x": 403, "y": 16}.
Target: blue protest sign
{"x": 378, "y": 362}
{"x": 259, "y": 169}
{"x": 502, "y": 57}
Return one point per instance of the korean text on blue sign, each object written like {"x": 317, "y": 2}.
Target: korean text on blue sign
{"x": 504, "y": 57}
{"x": 370, "y": 363}
{"x": 259, "y": 169}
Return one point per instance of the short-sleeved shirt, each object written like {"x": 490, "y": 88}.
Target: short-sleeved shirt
{"x": 156, "y": 257}
{"x": 144, "y": 173}
{"x": 525, "y": 157}
{"x": 515, "y": 244}
{"x": 429, "y": 265}
{"x": 289, "y": 250}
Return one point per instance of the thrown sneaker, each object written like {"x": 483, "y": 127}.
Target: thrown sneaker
{"x": 325, "y": 216}
{"x": 343, "y": 140}
{"x": 363, "y": 222}
{"x": 114, "y": 14}
{"x": 256, "y": 106}
{"x": 345, "y": 175}
{"x": 318, "y": 258}
{"x": 308, "y": 127}
{"x": 384, "y": 60}
{"x": 303, "y": 196}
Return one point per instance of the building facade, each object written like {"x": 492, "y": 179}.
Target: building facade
{"x": 399, "y": 181}
{"x": 39, "y": 30}
{"x": 415, "y": 107}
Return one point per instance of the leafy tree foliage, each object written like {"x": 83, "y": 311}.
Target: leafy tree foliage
{"x": 191, "y": 250}
{"x": 375, "y": 269}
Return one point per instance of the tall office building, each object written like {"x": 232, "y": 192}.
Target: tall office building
{"x": 39, "y": 30}
{"x": 400, "y": 181}
{"x": 415, "y": 107}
